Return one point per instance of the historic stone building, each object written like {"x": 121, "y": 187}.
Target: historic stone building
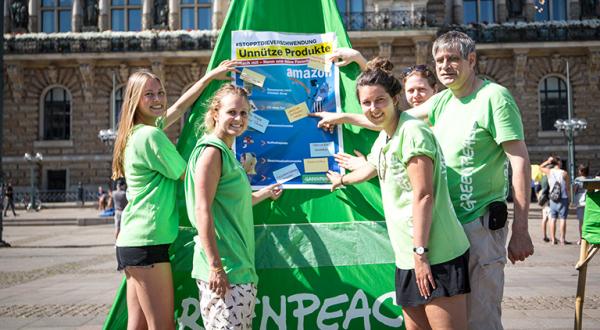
{"x": 66, "y": 62}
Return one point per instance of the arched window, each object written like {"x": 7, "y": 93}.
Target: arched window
{"x": 196, "y": 14}
{"x": 126, "y": 15}
{"x": 553, "y": 101}
{"x": 550, "y": 10}
{"x": 57, "y": 114}
{"x": 479, "y": 11}
{"x": 117, "y": 105}
{"x": 352, "y": 12}
{"x": 56, "y": 15}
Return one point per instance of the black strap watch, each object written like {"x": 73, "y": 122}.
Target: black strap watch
{"x": 420, "y": 250}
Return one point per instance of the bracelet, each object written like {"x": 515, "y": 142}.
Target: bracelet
{"x": 217, "y": 269}
{"x": 342, "y": 180}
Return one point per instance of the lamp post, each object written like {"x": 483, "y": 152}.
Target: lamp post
{"x": 33, "y": 159}
{"x": 107, "y": 136}
{"x": 569, "y": 127}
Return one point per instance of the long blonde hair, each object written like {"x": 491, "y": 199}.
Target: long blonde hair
{"x": 133, "y": 93}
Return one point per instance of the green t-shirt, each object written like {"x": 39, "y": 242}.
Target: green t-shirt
{"x": 447, "y": 239}
{"x": 152, "y": 167}
{"x": 232, "y": 214}
{"x": 470, "y": 131}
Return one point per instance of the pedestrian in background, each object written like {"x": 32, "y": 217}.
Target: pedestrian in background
{"x": 80, "y": 194}
{"x": 119, "y": 198}
{"x": 543, "y": 199}
{"x": 102, "y": 199}
{"x": 10, "y": 199}
{"x": 559, "y": 185}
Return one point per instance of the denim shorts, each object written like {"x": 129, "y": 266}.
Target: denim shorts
{"x": 560, "y": 209}
{"x": 141, "y": 256}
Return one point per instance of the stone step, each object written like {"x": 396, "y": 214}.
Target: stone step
{"x": 76, "y": 221}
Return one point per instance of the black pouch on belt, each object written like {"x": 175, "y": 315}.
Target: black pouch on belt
{"x": 498, "y": 214}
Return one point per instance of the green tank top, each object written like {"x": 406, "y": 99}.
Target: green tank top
{"x": 232, "y": 214}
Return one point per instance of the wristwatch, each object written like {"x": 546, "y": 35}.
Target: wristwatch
{"x": 420, "y": 250}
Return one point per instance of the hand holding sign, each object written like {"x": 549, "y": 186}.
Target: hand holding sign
{"x": 221, "y": 72}
{"x": 253, "y": 77}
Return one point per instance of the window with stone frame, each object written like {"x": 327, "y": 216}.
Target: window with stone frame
{"x": 56, "y": 16}
{"x": 57, "y": 114}
{"x": 554, "y": 101}
{"x": 56, "y": 181}
{"x": 126, "y": 15}
{"x": 353, "y": 13}
{"x": 550, "y": 10}
{"x": 117, "y": 105}
{"x": 590, "y": 9}
{"x": 479, "y": 11}
{"x": 196, "y": 14}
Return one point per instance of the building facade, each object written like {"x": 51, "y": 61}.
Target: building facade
{"x": 66, "y": 62}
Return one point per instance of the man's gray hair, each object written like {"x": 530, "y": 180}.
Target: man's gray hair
{"x": 455, "y": 40}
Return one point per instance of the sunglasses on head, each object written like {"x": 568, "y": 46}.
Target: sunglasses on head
{"x": 415, "y": 68}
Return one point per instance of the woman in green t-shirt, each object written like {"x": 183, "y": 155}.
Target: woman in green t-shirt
{"x": 147, "y": 159}
{"x": 219, "y": 204}
{"x": 430, "y": 246}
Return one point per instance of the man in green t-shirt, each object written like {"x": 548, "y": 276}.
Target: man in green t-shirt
{"x": 478, "y": 126}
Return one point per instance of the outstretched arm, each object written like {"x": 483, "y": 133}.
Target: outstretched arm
{"x": 191, "y": 95}
{"x": 520, "y": 246}
{"x": 360, "y": 175}
{"x": 419, "y": 112}
{"x": 543, "y": 165}
{"x": 329, "y": 119}
{"x": 273, "y": 191}
{"x": 350, "y": 162}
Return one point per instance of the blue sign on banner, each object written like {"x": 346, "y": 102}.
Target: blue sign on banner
{"x": 287, "y": 76}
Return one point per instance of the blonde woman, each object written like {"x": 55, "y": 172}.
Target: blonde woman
{"x": 147, "y": 159}
{"x": 219, "y": 204}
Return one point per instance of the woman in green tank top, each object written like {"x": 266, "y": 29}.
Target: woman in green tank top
{"x": 219, "y": 203}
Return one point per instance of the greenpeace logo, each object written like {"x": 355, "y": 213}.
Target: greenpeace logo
{"x": 302, "y": 309}
{"x": 314, "y": 178}
{"x": 467, "y": 202}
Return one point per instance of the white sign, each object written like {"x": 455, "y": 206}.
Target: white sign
{"x": 286, "y": 173}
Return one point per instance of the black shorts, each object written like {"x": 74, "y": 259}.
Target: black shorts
{"x": 141, "y": 256}
{"x": 451, "y": 279}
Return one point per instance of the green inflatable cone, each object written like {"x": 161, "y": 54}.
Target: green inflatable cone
{"x": 323, "y": 259}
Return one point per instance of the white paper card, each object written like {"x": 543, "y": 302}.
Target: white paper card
{"x": 322, "y": 149}
{"x": 257, "y": 122}
{"x": 286, "y": 173}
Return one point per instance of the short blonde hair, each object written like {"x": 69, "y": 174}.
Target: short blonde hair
{"x": 209, "y": 124}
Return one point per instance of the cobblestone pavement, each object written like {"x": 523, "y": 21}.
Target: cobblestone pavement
{"x": 60, "y": 277}
{"x": 63, "y": 277}
{"x": 53, "y": 310}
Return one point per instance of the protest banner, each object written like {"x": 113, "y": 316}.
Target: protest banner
{"x": 287, "y": 76}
